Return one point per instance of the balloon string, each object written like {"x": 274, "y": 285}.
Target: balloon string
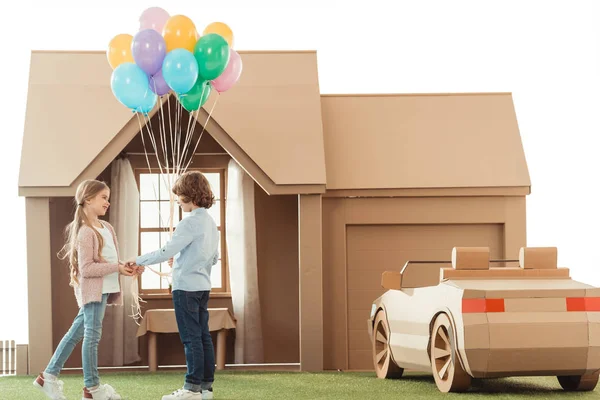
{"x": 203, "y": 129}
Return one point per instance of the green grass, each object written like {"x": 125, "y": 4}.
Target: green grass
{"x": 295, "y": 385}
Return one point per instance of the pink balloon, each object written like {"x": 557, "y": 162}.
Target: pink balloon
{"x": 231, "y": 75}
{"x": 154, "y": 18}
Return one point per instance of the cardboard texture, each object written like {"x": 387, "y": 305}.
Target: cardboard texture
{"x": 391, "y": 280}
{"x": 538, "y": 258}
{"x": 533, "y": 320}
{"x": 340, "y": 224}
{"x": 471, "y": 258}
{"x": 277, "y": 99}
{"x": 423, "y": 141}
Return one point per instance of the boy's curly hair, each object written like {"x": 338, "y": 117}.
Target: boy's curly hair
{"x": 193, "y": 186}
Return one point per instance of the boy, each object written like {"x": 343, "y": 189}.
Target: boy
{"x": 196, "y": 240}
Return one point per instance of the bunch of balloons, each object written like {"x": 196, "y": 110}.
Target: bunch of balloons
{"x": 167, "y": 54}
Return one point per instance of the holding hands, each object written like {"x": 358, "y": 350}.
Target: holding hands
{"x": 125, "y": 269}
{"x": 133, "y": 268}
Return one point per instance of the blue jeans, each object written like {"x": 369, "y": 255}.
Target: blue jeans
{"x": 191, "y": 312}
{"x": 87, "y": 325}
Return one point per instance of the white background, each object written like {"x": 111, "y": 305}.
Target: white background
{"x": 547, "y": 53}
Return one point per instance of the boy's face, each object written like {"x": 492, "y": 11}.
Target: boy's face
{"x": 186, "y": 207}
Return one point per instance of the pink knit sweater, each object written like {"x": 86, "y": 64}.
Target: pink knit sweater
{"x": 92, "y": 269}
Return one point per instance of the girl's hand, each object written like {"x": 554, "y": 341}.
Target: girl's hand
{"x": 170, "y": 262}
{"x": 125, "y": 270}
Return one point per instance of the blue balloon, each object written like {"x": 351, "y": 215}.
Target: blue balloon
{"x": 148, "y": 103}
{"x": 180, "y": 70}
{"x": 129, "y": 84}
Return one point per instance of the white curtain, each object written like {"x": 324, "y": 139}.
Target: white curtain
{"x": 243, "y": 270}
{"x": 119, "y": 339}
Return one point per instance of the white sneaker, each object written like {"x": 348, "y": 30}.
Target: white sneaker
{"x": 207, "y": 394}
{"x": 102, "y": 392}
{"x": 52, "y": 388}
{"x": 183, "y": 394}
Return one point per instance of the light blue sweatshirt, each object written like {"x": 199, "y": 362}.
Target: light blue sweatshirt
{"x": 196, "y": 239}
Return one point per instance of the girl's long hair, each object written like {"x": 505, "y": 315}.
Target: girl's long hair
{"x": 86, "y": 190}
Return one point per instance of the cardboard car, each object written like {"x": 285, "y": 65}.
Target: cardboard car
{"x": 483, "y": 318}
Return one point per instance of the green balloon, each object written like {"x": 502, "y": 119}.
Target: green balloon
{"x": 212, "y": 53}
{"x": 195, "y": 98}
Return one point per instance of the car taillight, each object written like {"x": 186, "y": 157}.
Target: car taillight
{"x": 482, "y": 305}
{"x": 583, "y": 303}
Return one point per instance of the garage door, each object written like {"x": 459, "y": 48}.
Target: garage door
{"x": 373, "y": 249}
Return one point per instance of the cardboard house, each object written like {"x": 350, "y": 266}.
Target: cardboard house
{"x": 347, "y": 186}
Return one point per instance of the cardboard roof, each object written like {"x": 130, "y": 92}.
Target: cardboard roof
{"x": 275, "y": 123}
{"x": 273, "y": 114}
{"x": 422, "y": 141}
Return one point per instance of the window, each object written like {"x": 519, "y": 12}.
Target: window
{"x": 154, "y": 228}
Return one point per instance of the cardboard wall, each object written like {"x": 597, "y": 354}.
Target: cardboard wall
{"x": 277, "y": 252}
{"x": 366, "y": 236}
{"x": 64, "y": 306}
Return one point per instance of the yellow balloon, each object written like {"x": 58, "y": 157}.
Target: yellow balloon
{"x": 119, "y": 50}
{"x": 180, "y": 33}
{"x": 222, "y": 29}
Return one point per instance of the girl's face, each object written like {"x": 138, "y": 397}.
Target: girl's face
{"x": 185, "y": 207}
{"x": 99, "y": 204}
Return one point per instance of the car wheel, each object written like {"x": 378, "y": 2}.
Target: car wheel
{"x": 385, "y": 367}
{"x": 579, "y": 383}
{"x": 447, "y": 371}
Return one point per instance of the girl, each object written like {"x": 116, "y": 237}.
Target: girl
{"x": 92, "y": 251}
{"x": 196, "y": 241}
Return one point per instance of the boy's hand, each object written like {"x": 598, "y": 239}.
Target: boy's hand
{"x": 170, "y": 262}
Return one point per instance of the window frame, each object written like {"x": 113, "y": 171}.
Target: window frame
{"x": 225, "y": 289}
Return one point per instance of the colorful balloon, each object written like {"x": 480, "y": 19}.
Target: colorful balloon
{"x": 212, "y": 54}
{"x": 119, "y": 50}
{"x": 154, "y": 18}
{"x": 158, "y": 84}
{"x": 180, "y": 33}
{"x": 147, "y": 103}
{"x": 149, "y": 50}
{"x": 180, "y": 70}
{"x": 222, "y": 29}
{"x": 195, "y": 98}
{"x": 129, "y": 84}
{"x": 231, "y": 75}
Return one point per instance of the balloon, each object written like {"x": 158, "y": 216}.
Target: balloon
{"x": 154, "y": 18}
{"x": 195, "y": 98}
{"x": 231, "y": 74}
{"x": 212, "y": 54}
{"x": 147, "y": 103}
{"x": 149, "y": 50}
{"x": 119, "y": 50}
{"x": 180, "y": 70}
{"x": 158, "y": 84}
{"x": 129, "y": 84}
{"x": 180, "y": 33}
{"x": 222, "y": 29}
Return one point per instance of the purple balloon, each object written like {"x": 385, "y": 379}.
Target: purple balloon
{"x": 149, "y": 49}
{"x": 158, "y": 85}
